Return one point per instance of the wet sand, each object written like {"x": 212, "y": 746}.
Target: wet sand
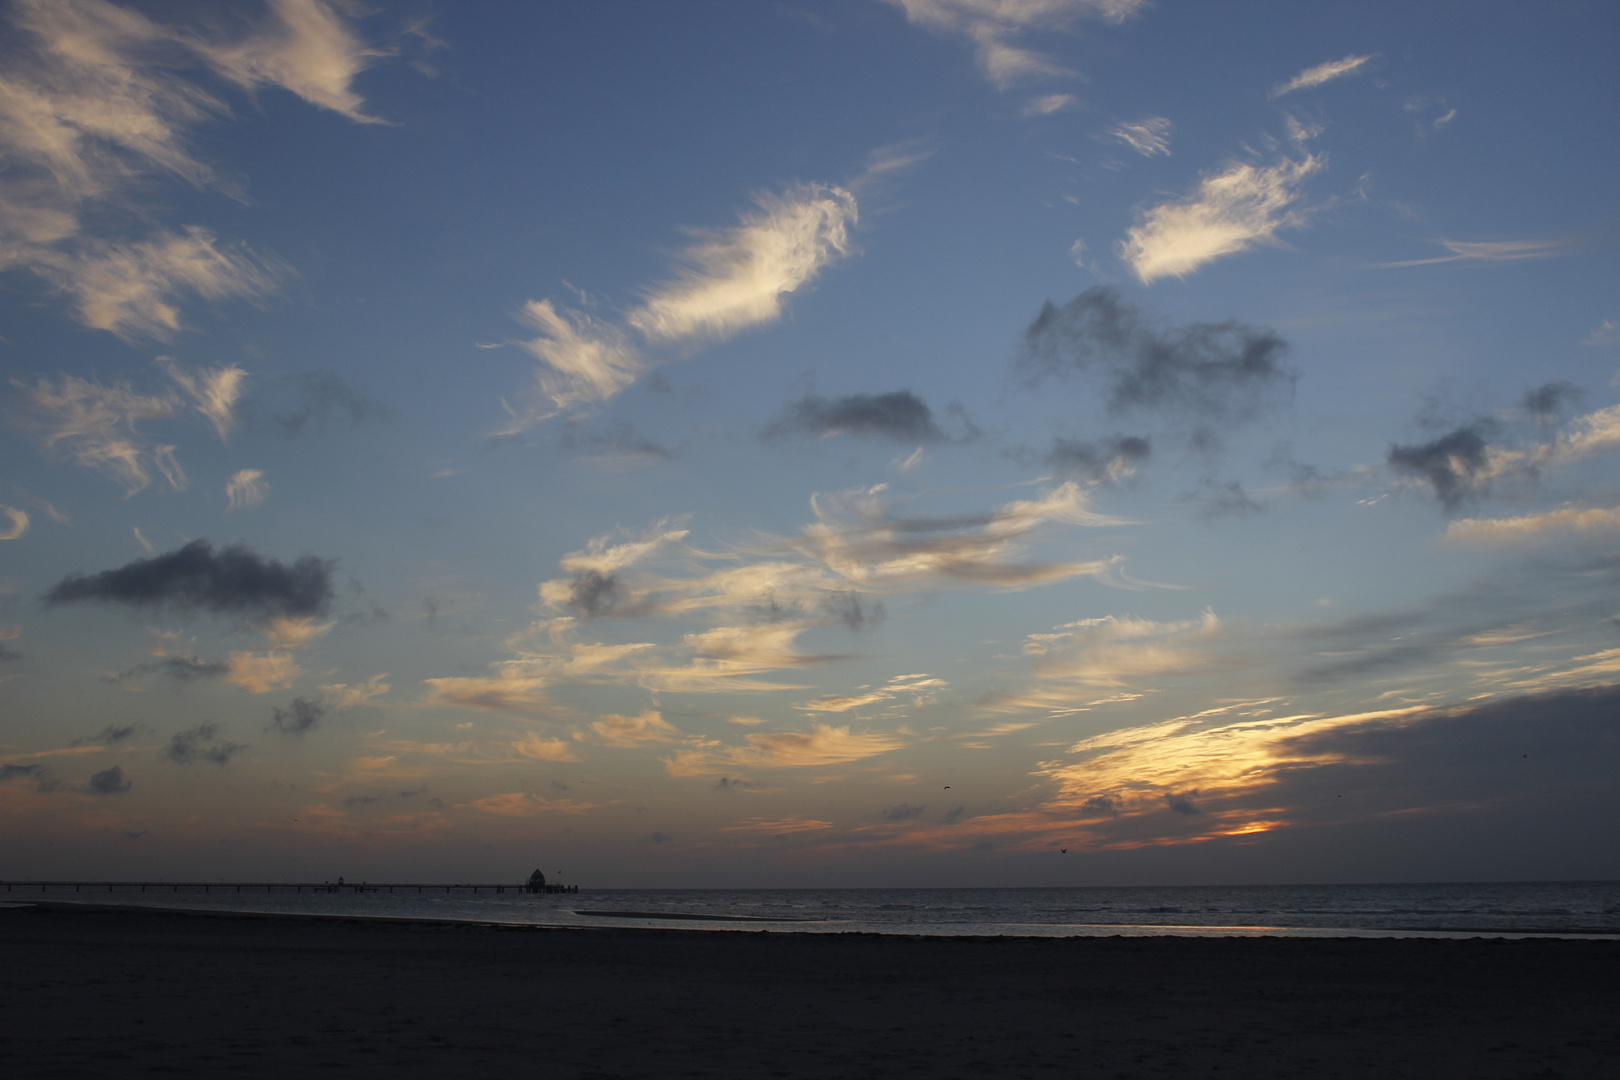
{"x": 90, "y": 992}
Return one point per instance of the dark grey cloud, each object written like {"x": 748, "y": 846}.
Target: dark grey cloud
{"x": 8, "y": 654}
{"x": 595, "y": 595}
{"x": 1227, "y": 371}
{"x": 201, "y": 743}
{"x": 727, "y": 783}
{"x": 1456, "y": 465}
{"x": 233, "y": 580}
{"x": 111, "y": 735}
{"x": 1539, "y": 756}
{"x": 311, "y": 401}
{"x": 1547, "y": 403}
{"x": 953, "y": 816}
{"x": 900, "y": 416}
{"x": 1101, "y": 460}
{"x": 361, "y": 800}
{"x": 1100, "y": 806}
{"x": 110, "y": 782}
{"x": 43, "y": 778}
{"x": 620, "y": 437}
{"x": 1218, "y": 499}
{"x": 661, "y": 838}
{"x": 298, "y": 718}
{"x": 1182, "y": 805}
{"x": 178, "y": 668}
{"x": 903, "y": 812}
{"x": 850, "y": 609}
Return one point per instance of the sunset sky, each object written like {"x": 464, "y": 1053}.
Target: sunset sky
{"x": 810, "y": 442}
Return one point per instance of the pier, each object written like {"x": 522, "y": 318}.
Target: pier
{"x": 287, "y": 886}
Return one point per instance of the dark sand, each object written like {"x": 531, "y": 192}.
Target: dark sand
{"x": 87, "y": 992}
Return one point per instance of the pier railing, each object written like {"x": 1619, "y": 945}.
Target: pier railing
{"x": 284, "y": 886}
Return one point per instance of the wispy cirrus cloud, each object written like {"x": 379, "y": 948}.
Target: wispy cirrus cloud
{"x": 919, "y": 689}
{"x": 648, "y": 726}
{"x": 728, "y": 281}
{"x": 1321, "y": 73}
{"x": 18, "y": 522}
{"x": 1120, "y": 652}
{"x": 96, "y": 98}
{"x": 1527, "y": 528}
{"x": 754, "y": 602}
{"x": 1228, "y": 212}
{"x": 1492, "y": 251}
{"x": 822, "y": 745}
{"x": 346, "y": 696}
{"x": 523, "y": 804}
{"x": 1149, "y": 136}
{"x": 245, "y": 489}
{"x": 133, "y": 289}
{"x": 779, "y": 826}
{"x": 1047, "y": 104}
{"x": 95, "y": 424}
{"x": 735, "y": 278}
{"x": 583, "y": 361}
{"x": 214, "y": 392}
{"x": 306, "y": 46}
{"x": 993, "y": 26}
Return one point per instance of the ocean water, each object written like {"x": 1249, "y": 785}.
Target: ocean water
{"x": 1567, "y": 909}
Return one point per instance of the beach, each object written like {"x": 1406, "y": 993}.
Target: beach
{"x": 105, "y": 991}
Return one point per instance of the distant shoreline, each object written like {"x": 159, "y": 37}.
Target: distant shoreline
{"x": 786, "y": 925}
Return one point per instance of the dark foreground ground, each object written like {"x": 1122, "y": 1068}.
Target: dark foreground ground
{"x": 95, "y": 992}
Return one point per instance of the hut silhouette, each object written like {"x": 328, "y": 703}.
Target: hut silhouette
{"x": 537, "y": 882}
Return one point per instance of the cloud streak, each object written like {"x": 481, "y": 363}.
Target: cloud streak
{"x": 734, "y": 279}
{"x": 822, "y": 745}
{"x": 992, "y": 26}
{"x": 1229, "y": 212}
{"x": 1491, "y": 251}
{"x": 1321, "y": 73}
{"x": 729, "y": 281}
{"x": 1149, "y": 136}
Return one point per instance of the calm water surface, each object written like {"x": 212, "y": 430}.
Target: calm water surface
{"x": 1563, "y": 908}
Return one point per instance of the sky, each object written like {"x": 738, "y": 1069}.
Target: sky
{"x": 836, "y": 443}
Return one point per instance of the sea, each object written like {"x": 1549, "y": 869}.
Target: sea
{"x": 1585, "y": 909}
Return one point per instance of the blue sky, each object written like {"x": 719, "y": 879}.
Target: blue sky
{"x": 868, "y": 442}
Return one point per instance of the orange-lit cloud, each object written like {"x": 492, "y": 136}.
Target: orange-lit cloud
{"x": 821, "y": 745}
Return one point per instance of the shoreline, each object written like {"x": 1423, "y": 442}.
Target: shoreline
{"x": 91, "y": 990}
{"x": 714, "y": 923}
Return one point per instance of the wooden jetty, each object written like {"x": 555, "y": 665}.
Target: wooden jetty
{"x": 288, "y": 886}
